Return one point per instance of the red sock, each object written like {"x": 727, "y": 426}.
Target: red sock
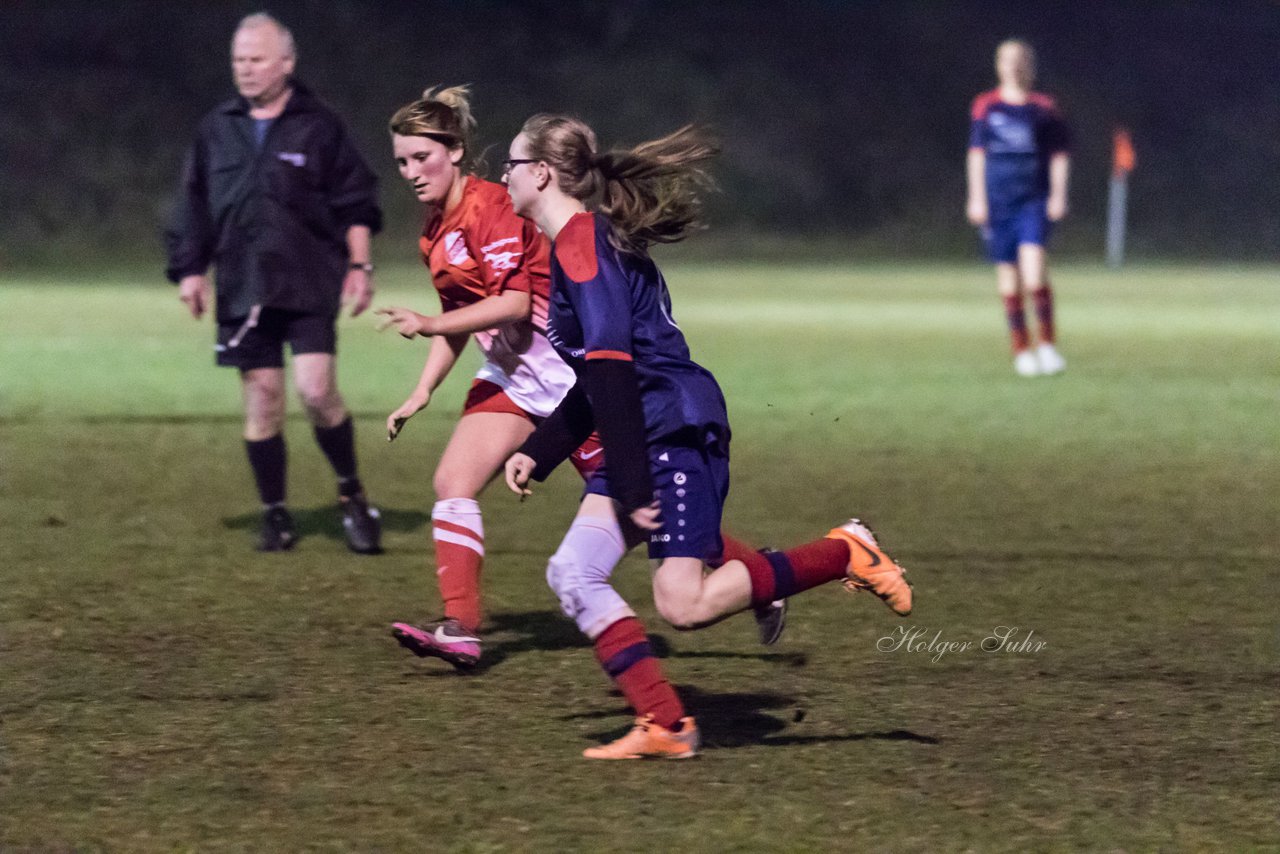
{"x": 818, "y": 562}
{"x": 1042, "y": 298}
{"x": 1017, "y": 317}
{"x": 624, "y": 653}
{"x": 735, "y": 549}
{"x": 458, "y": 570}
{"x": 777, "y": 575}
{"x": 758, "y": 568}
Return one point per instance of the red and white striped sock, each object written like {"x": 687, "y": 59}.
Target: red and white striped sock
{"x": 458, "y": 533}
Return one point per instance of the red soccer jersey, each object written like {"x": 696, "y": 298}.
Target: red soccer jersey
{"x": 481, "y": 248}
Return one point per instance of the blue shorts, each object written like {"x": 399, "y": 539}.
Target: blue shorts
{"x": 1010, "y": 227}
{"x": 692, "y": 484}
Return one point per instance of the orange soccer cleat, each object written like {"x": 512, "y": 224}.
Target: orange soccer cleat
{"x": 872, "y": 569}
{"x": 648, "y": 740}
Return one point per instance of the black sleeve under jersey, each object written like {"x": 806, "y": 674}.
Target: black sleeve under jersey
{"x": 614, "y": 392}
{"x": 560, "y": 434}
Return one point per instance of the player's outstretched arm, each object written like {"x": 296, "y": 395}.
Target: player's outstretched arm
{"x": 406, "y": 321}
{"x": 464, "y": 320}
{"x": 440, "y": 360}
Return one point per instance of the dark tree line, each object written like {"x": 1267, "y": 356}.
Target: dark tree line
{"x": 844, "y": 123}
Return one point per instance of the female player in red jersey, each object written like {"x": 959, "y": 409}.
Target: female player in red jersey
{"x": 660, "y": 415}
{"x": 1017, "y": 171}
{"x": 490, "y": 269}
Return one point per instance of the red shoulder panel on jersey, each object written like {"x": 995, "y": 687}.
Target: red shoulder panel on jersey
{"x": 982, "y": 103}
{"x": 576, "y": 248}
{"x": 616, "y": 355}
{"x": 1042, "y": 100}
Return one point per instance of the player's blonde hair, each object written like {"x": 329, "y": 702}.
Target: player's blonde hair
{"x": 650, "y": 193}
{"x": 442, "y": 114}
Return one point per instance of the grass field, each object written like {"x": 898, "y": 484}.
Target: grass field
{"x": 163, "y": 687}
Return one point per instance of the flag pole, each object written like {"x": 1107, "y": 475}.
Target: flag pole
{"x": 1123, "y": 161}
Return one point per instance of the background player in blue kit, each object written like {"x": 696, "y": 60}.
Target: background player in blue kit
{"x": 1018, "y": 166}
{"x": 660, "y": 415}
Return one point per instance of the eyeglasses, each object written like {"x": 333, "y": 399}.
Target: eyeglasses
{"x": 508, "y": 165}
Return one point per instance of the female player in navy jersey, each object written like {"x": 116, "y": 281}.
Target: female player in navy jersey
{"x": 661, "y": 416}
{"x": 492, "y": 272}
{"x": 1017, "y": 170}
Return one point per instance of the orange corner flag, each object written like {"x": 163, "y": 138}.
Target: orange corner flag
{"x": 1123, "y": 158}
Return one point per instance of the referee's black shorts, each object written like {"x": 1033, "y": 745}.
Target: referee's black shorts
{"x": 258, "y": 340}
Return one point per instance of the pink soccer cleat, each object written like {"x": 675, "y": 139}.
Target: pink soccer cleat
{"x": 447, "y": 639}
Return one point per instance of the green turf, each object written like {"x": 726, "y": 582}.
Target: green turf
{"x": 162, "y": 687}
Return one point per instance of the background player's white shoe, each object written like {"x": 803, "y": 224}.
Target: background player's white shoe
{"x": 1025, "y": 364}
{"x": 1051, "y": 361}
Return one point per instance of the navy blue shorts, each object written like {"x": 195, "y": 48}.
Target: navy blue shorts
{"x": 258, "y": 342}
{"x": 1011, "y": 227}
{"x": 692, "y": 485}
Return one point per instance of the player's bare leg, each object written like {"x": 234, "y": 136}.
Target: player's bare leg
{"x": 687, "y": 597}
{"x": 1008, "y": 282}
{"x": 481, "y": 442}
{"x": 315, "y": 379}
{"x": 263, "y": 393}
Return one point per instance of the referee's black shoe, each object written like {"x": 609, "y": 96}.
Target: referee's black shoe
{"x": 277, "y": 534}
{"x": 362, "y": 525}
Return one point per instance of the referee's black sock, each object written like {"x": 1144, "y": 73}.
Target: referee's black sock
{"x": 267, "y": 457}
{"x": 339, "y": 446}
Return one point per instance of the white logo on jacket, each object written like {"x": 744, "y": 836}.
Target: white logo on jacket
{"x": 297, "y": 158}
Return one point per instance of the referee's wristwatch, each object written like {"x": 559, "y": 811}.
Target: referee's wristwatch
{"x": 366, "y": 266}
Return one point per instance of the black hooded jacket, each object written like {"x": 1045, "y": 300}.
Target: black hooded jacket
{"x": 272, "y": 220}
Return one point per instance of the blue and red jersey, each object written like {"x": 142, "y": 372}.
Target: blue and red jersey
{"x": 1018, "y": 141}
{"x": 607, "y": 304}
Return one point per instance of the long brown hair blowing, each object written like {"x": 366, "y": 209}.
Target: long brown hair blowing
{"x": 440, "y": 114}
{"x": 650, "y": 194}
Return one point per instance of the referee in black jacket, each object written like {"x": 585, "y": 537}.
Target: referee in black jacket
{"x": 275, "y": 196}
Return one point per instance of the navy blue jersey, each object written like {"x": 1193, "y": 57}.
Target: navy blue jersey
{"x": 1018, "y": 140}
{"x": 607, "y": 304}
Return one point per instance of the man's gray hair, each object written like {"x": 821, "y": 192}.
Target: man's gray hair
{"x": 262, "y": 19}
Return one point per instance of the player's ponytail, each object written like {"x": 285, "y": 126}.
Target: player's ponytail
{"x": 650, "y": 194}
{"x": 442, "y": 114}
